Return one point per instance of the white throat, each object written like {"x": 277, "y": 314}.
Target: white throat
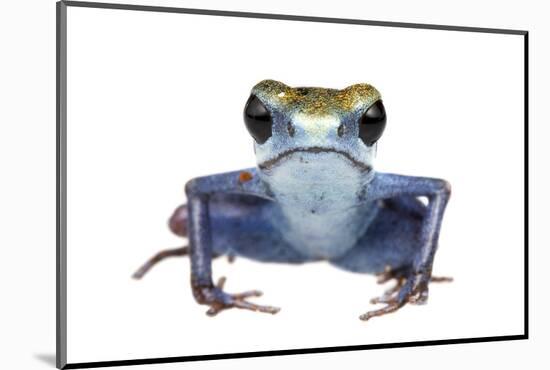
{"x": 318, "y": 195}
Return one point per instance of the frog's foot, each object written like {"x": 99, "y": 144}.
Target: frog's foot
{"x": 409, "y": 288}
{"x": 218, "y": 300}
{"x": 182, "y": 251}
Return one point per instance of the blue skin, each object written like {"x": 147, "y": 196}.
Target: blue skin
{"x": 314, "y": 196}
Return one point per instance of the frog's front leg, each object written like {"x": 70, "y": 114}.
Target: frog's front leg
{"x": 178, "y": 225}
{"x": 412, "y": 280}
{"x": 199, "y": 191}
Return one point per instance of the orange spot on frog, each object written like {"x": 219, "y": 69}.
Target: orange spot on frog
{"x": 245, "y": 176}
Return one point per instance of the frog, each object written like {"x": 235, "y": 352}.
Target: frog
{"x": 313, "y": 196}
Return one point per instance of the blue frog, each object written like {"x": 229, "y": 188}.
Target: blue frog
{"x": 313, "y": 196}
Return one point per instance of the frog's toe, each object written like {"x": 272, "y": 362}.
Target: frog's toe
{"x": 408, "y": 288}
{"x": 394, "y": 298}
{"x": 241, "y": 303}
{"x": 175, "y": 252}
{"x": 219, "y": 300}
{"x": 181, "y": 251}
{"x": 231, "y": 257}
{"x": 389, "y": 295}
{"x": 390, "y": 307}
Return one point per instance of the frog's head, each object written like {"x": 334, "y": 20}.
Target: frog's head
{"x": 301, "y": 127}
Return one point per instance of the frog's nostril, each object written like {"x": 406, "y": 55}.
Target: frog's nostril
{"x": 290, "y": 128}
{"x": 341, "y": 130}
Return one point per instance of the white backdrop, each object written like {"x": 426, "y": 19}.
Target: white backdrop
{"x": 27, "y": 156}
{"x": 155, "y": 99}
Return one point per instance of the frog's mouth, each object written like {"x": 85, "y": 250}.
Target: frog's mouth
{"x": 266, "y": 165}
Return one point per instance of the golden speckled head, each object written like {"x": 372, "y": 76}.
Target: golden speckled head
{"x": 315, "y": 101}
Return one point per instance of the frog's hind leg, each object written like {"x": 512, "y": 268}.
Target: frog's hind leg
{"x": 178, "y": 225}
{"x": 243, "y": 226}
{"x": 390, "y": 240}
{"x": 388, "y": 249}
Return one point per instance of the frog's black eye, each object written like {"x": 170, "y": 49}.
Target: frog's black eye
{"x": 257, "y": 119}
{"x": 372, "y": 123}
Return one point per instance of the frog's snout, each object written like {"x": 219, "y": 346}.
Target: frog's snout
{"x": 316, "y": 128}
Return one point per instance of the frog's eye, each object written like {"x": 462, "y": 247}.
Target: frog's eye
{"x": 372, "y": 123}
{"x": 257, "y": 119}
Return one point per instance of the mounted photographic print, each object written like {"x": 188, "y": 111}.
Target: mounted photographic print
{"x": 240, "y": 184}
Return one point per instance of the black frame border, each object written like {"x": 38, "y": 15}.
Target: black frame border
{"x": 61, "y": 184}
